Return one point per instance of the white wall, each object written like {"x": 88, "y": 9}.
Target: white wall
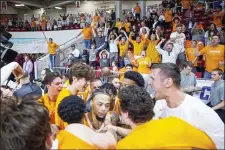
{"x": 91, "y": 6}
{"x": 10, "y": 10}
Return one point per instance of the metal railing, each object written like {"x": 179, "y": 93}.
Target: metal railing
{"x": 61, "y": 55}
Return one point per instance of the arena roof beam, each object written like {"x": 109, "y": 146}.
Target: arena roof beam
{"x": 28, "y": 3}
{"x": 59, "y": 4}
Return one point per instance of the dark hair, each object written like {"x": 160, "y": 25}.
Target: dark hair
{"x": 136, "y": 77}
{"x": 169, "y": 70}
{"x": 129, "y": 65}
{"x": 71, "y": 109}
{"x": 101, "y": 90}
{"x": 188, "y": 64}
{"x": 220, "y": 72}
{"x": 47, "y": 70}
{"x": 111, "y": 78}
{"x": 137, "y": 102}
{"x": 109, "y": 88}
{"x": 81, "y": 70}
{"x": 24, "y": 126}
{"x": 50, "y": 77}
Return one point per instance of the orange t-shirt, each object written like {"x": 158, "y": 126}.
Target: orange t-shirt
{"x": 186, "y": 3}
{"x": 137, "y": 9}
{"x": 123, "y": 48}
{"x": 68, "y": 140}
{"x": 96, "y": 18}
{"x": 50, "y": 105}
{"x": 87, "y": 33}
{"x": 152, "y": 53}
{"x": 143, "y": 65}
{"x": 84, "y": 95}
{"x": 213, "y": 56}
{"x": 218, "y": 19}
{"x": 33, "y": 23}
{"x": 168, "y": 15}
{"x": 191, "y": 54}
{"x": 52, "y": 48}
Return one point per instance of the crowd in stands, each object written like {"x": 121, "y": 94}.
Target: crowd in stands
{"x": 142, "y": 98}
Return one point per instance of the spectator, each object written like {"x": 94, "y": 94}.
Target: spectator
{"x": 104, "y": 58}
{"x": 52, "y": 51}
{"x": 28, "y": 67}
{"x": 87, "y": 31}
{"x": 217, "y": 94}
{"x": 197, "y": 32}
{"x": 75, "y": 55}
{"x": 188, "y": 79}
{"x": 210, "y": 33}
{"x": 71, "y": 19}
{"x": 64, "y": 18}
{"x": 214, "y": 55}
{"x": 113, "y": 49}
{"x": 152, "y": 53}
{"x": 222, "y": 36}
{"x": 168, "y": 14}
{"x": 170, "y": 54}
{"x": 137, "y": 44}
{"x": 137, "y": 11}
{"x": 218, "y": 17}
{"x": 179, "y": 38}
{"x": 191, "y": 53}
{"x": 165, "y": 3}
{"x": 113, "y": 16}
{"x": 100, "y": 39}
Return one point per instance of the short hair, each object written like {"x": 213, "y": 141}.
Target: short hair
{"x": 81, "y": 70}
{"x": 101, "y": 90}
{"x": 188, "y": 64}
{"x": 136, "y": 77}
{"x": 109, "y": 88}
{"x": 129, "y": 65}
{"x": 95, "y": 80}
{"x": 169, "y": 70}
{"x": 220, "y": 72}
{"x": 24, "y": 125}
{"x": 71, "y": 109}
{"x": 47, "y": 70}
{"x": 51, "y": 76}
{"x": 137, "y": 102}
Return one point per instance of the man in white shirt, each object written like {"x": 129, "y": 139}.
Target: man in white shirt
{"x": 143, "y": 25}
{"x": 170, "y": 54}
{"x": 172, "y": 101}
{"x": 179, "y": 38}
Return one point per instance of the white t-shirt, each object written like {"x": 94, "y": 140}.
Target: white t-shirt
{"x": 180, "y": 41}
{"x": 195, "y": 112}
{"x": 76, "y": 53}
{"x": 169, "y": 57}
{"x": 113, "y": 46}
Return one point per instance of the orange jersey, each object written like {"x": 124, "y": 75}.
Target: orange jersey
{"x": 218, "y": 19}
{"x": 123, "y": 48}
{"x": 191, "y": 54}
{"x": 50, "y": 105}
{"x": 143, "y": 65}
{"x": 58, "y": 121}
{"x": 137, "y": 9}
{"x": 68, "y": 140}
{"x": 52, "y": 48}
{"x": 84, "y": 95}
{"x": 213, "y": 56}
{"x": 96, "y": 18}
{"x": 177, "y": 134}
{"x": 152, "y": 53}
{"x": 168, "y": 15}
{"x": 87, "y": 33}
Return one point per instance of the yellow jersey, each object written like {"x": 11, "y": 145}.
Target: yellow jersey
{"x": 166, "y": 133}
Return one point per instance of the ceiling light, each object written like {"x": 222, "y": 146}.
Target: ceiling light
{"x": 58, "y": 7}
{"x": 19, "y": 5}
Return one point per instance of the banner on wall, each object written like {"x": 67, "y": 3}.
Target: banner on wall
{"x": 78, "y": 4}
{"x": 3, "y": 5}
{"x": 34, "y": 42}
{"x": 205, "y": 85}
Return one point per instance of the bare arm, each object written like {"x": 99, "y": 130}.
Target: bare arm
{"x": 93, "y": 30}
{"x": 158, "y": 47}
{"x": 218, "y": 106}
{"x": 106, "y": 140}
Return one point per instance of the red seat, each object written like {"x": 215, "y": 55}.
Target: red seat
{"x": 198, "y": 74}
